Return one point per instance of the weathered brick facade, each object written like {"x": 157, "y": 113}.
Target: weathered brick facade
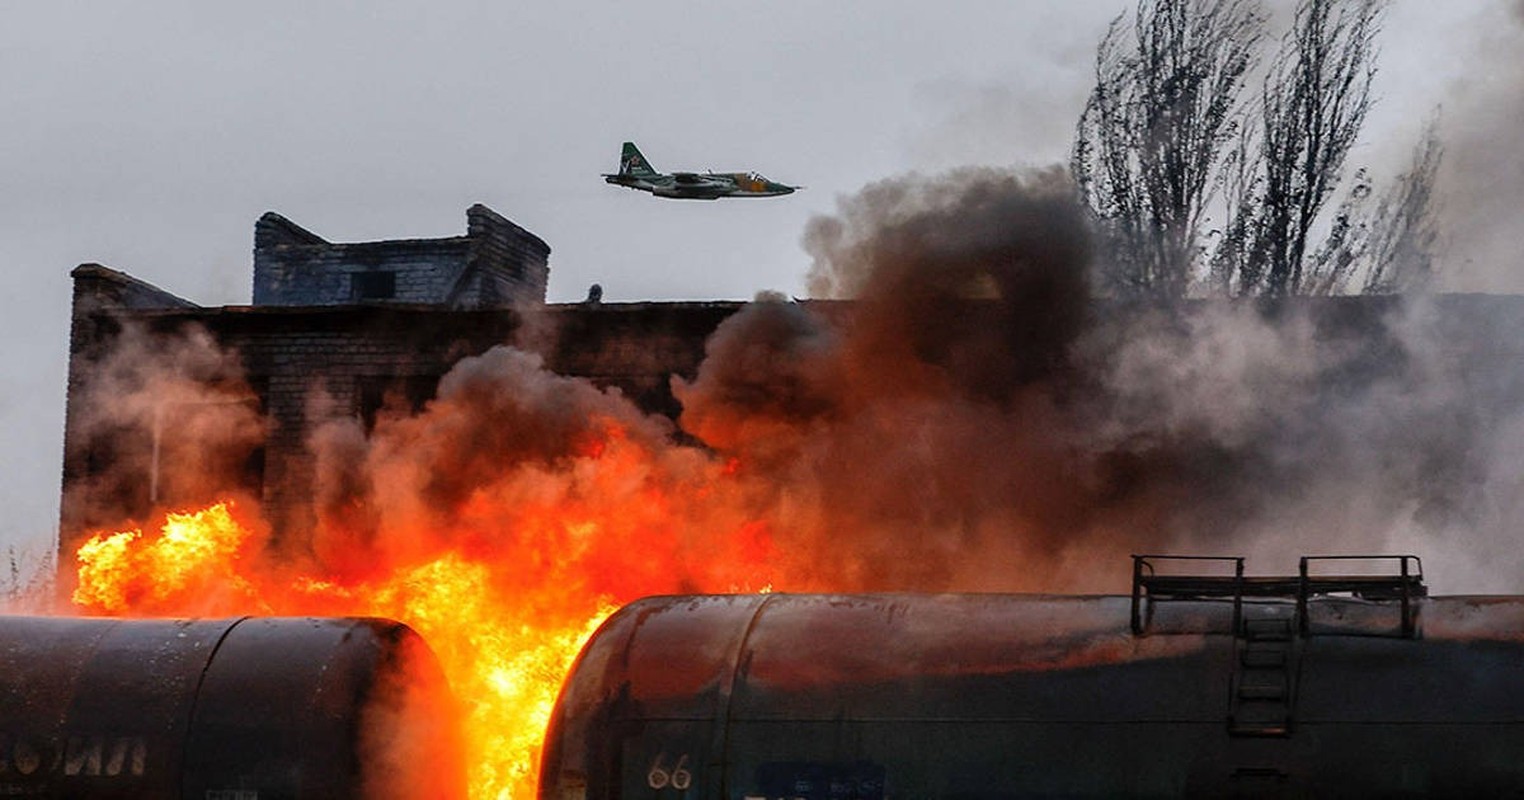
{"x": 496, "y": 264}
{"x": 308, "y": 335}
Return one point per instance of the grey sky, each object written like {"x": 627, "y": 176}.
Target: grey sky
{"x": 149, "y": 136}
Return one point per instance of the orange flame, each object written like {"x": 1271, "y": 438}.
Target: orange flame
{"x": 505, "y": 639}
{"x": 192, "y": 554}
{"x": 503, "y": 553}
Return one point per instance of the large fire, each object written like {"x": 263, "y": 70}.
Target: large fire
{"x": 962, "y": 427}
{"x": 505, "y": 629}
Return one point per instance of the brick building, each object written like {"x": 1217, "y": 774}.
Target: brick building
{"x": 363, "y": 325}
{"x": 366, "y": 323}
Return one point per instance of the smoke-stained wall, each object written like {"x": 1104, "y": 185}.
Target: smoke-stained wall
{"x": 141, "y": 372}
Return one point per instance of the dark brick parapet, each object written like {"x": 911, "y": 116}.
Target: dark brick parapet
{"x": 497, "y": 264}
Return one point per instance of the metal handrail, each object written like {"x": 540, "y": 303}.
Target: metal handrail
{"x": 1405, "y": 582}
{"x": 1406, "y": 585}
{"x": 1141, "y": 562}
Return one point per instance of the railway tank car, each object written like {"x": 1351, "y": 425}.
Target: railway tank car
{"x": 1340, "y": 681}
{"x": 231, "y": 709}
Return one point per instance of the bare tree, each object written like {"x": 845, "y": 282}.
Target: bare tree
{"x": 1315, "y": 99}
{"x": 1164, "y": 137}
{"x": 1346, "y": 249}
{"x": 1405, "y": 234}
{"x": 1154, "y": 131}
{"x": 26, "y": 585}
{"x": 1385, "y": 246}
{"x": 1234, "y": 241}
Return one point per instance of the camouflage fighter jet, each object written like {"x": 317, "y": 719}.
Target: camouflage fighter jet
{"x": 635, "y": 172}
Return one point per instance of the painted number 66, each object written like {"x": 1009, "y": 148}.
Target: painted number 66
{"x": 678, "y": 778}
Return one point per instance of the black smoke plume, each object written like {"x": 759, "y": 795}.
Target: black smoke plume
{"x": 976, "y": 419}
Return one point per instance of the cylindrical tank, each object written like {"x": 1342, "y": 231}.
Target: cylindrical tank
{"x": 231, "y": 709}
{"x": 1007, "y": 696}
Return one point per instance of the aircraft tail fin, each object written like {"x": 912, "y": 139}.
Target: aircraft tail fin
{"x": 633, "y": 164}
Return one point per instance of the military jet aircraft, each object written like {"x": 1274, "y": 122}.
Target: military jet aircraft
{"x": 635, "y": 172}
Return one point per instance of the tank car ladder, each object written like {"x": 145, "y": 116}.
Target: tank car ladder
{"x": 1263, "y": 680}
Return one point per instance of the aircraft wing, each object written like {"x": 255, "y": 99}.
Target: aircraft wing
{"x": 690, "y": 179}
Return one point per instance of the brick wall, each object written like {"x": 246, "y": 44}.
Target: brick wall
{"x": 510, "y": 262}
{"x": 356, "y": 355}
{"x": 495, "y": 265}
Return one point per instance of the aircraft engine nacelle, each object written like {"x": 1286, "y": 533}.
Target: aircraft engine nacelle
{"x": 679, "y": 192}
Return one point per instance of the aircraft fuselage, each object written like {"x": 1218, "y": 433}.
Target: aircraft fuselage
{"x": 636, "y": 173}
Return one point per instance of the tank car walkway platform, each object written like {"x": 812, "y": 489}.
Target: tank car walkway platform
{"x": 1267, "y": 635}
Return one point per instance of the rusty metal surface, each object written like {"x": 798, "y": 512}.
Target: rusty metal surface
{"x": 246, "y": 708}
{"x": 660, "y": 659}
{"x": 1000, "y": 696}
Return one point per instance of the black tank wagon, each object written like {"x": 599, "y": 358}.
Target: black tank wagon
{"x": 1349, "y": 684}
{"x": 231, "y": 709}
